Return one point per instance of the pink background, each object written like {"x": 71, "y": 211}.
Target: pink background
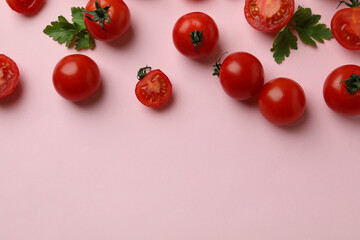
{"x": 203, "y": 167}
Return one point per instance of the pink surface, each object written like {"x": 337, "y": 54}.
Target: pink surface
{"x": 204, "y": 167}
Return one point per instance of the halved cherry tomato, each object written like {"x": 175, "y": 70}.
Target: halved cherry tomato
{"x": 282, "y": 101}
{"x": 269, "y": 15}
{"x": 25, "y": 6}
{"x": 241, "y": 75}
{"x": 9, "y": 75}
{"x": 341, "y": 90}
{"x": 345, "y": 26}
{"x": 154, "y": 88}
{"x": 107, "y": 20}
{"x": 195, "y": 35}
{"x": 76, "y": 77}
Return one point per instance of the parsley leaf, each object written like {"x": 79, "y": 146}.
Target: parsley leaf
{"x": 282, "y": 44}
{"x": 308, "y": 28}
{"x": 63, "y": 31}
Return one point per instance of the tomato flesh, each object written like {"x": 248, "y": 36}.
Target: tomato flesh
{"x": 9, "y": 76}
{"x": 345, "y": 26}
{"x": 269, "y": 15}
{"x": 154, "y": 89}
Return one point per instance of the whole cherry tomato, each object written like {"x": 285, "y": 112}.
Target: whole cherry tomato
{"x": 282, "y": 101}
{"x": 153, "y": 88}
{"x": 107, "y": 20}
{"x": 25, "y": 6}
{"x": 9, "y": 75}
{"x": 341, "y": 90}
{"x": 195, "y": 35}
{"x": 345, "y": 25}
{"x": 76, "y": 77}
{"x": 241, "y": 75}
{"x": 269, "y": 15}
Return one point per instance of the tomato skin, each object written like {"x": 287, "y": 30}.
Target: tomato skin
{"x": 188, "y": 24}
{"x": 76, "y": 77}
{"x": 25, "y": 6}
{"x": 120, "y": 17}
{"x": 261, "y": 16}
{"x": 9, "y": 76}
{"x": 156, "y": 86}
{"x": 335, "y": 94}
{"x": 282, "y": 101}
{"x": 345, "y": 26}
{"x": 241, "y": 75}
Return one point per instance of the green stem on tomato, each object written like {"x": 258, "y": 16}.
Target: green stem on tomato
{"x": 142, "y": 72}
{"x": 99, "y": 14}
{"x": 352, "y": 84}
{"x": 196, "y": 38}
{"x": 352, "y": 3}
{"x": 217, "y": 65}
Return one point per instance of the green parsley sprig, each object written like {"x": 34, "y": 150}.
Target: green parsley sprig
{"x": 76, "y": 33}
{"x": 308, "y": 28}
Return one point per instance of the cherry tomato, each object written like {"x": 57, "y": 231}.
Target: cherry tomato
{"x": 154, "y": 87}
{"x": 345, "y": 26}
{"x": 195, "y": 35}
{"x": 341, "y": 90}
{"x": 25, "y": 6}
{"x": 107, "y": 20}
{"x": 76, "y": 77}
{"x": 269, "y": 15}
{"x": 282, "y": 101}
{"x": 9, "y": 76}
{"x": 241, "y": 75}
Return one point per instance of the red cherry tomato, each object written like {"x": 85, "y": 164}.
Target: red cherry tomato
{"x": 154, "y": 87}
{"x": 9, "y": 76}
{"x": 269, "y": 15}
{"x": 345, "y": 26}
{"x": 341, "y": 90}
{"x": 282, "y": 101}
{"x": 114, "y": 19}
{"x": 76, "y": 77}
{"x": 195, "y": 35}
{"x": 241, "y": 75}
{"x": 25, "y": 6}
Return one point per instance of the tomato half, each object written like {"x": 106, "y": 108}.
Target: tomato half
{"x": 282, "y": 101}
{"x": 345, "y": 26}
{"x": 113, "y": 19}
{"x": 9, "y": 76}
{"x": 195, "y": 35}
{"x": 269, "y": 15}
{"x": 76, "y": 77}
{"x": 337, "y": 96}
{"x": 154, "y": 88}
{"x": 241, "y": 75}
{"x": 25, "y": 6}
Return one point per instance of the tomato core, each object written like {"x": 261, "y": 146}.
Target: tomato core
{"x": 155, "y": 88}
{"x": 5, "y": 75}
{"x": 271, "y": 10}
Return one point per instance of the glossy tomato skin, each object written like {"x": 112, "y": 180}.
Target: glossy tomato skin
{"x": 282, "y": 101}
{"x": 120, "y": 17}
{"x": 241, "y": 75}
{"x": 345, "y": 26}
{"x": 269, "y": 15}
{"x": 189, "y": 23}
{"x": 154, "y": 89}
{"x": 25, "y": 6}
{"x": 9, "y": 76}
{"x": 335, "y": 94}
{"x": 76, "y": 77}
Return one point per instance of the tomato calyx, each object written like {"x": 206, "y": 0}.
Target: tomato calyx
{"x": 196, "y": 38}
{"x": 352, "y": 84}
{"x": 142, "y": 72}
{"x": 217, "y": 66}
{"x": 352, "y": 3}
{"x": 99, "y": 14}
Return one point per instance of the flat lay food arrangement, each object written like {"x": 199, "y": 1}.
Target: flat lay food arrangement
{"x": 178, "y": 100}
